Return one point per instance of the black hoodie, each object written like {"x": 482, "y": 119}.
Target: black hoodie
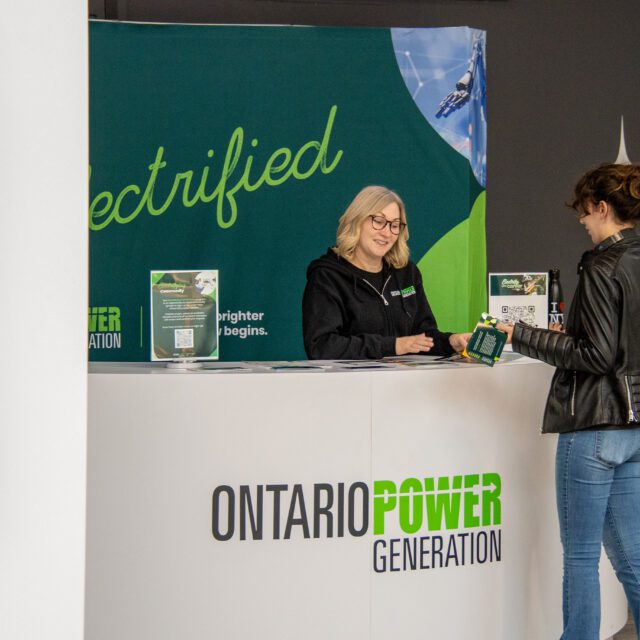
{"x": 344, "y": 315}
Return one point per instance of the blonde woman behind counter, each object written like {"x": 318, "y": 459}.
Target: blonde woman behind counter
{"x": 364, "y": 298}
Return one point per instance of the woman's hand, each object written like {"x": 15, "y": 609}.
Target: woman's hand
{"x": 556, "y": 326}
{"x": 413, "y": 344}
{"x": 459, "y": 341}
{"x": 506, "y": 328}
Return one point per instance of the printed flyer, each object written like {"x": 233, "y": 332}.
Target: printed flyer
{"x": 184, "y": 315}
{"x": 515, "y": 297}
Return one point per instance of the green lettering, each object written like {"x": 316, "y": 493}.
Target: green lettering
{"x": 114, "y": 319}
{"x": 132, "y": 188}
{"x": 312, "y": 144}
{"x": 279, "y": 168}
{"x": 187, "y": 177}
{"x": 444, "y": 505}
{"x": 230, "y": 161}
{"x": 102, "y": 318}
{"x": 244, "y": 180}
{"x": 200, "y": 193}
{"x": 384, "y": 500}
{"x": 93, "y": 318}
{"x": 471, "y": 500}
{"x": 94, "y": 212}
{"x": 491, "y": 506}
{"x": 273, "y": 168}
{"x": 154, "y": 167}
{"x": 411, "y": 505}
{"x": 184, "y": 176}
{"x": 324, "y": 145}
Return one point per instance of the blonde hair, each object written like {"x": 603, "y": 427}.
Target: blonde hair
{"x": 370, "y": 201}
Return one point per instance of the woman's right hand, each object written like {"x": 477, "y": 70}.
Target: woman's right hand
{"x": 413, "y": 344}
{"x": 506, "y": 328}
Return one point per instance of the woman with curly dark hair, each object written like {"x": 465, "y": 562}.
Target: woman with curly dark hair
{"x": 594, "y": 401}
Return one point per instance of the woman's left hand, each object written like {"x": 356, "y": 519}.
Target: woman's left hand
{"x": 459, "y": 341}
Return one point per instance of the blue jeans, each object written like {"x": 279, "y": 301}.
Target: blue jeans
{"x": 598, "y": 494}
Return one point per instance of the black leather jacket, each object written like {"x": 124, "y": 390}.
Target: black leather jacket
{"x": 597, "y": 384}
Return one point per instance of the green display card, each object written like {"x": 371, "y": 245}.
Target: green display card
{"x": 486, "y": 345}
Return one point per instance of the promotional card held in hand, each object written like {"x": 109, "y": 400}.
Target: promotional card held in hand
{"x": 487, "y": 342}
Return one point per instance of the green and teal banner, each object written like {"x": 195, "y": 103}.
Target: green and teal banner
{"x": 238, "y": 148}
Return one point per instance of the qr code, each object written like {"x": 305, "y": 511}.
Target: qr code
{"x": 526, "y": 313}
{"x": 183, "y": 338}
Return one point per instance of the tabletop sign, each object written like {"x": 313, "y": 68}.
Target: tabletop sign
{"x": 515, "y": 297}
{"x": 184, "y": 315}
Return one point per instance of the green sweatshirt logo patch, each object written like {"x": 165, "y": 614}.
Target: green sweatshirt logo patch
{"x": 408, "y": 291}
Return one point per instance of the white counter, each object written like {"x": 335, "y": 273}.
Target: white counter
{"x": 169, "y": 453}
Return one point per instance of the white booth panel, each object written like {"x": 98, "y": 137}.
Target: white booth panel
{"x": 159, "y": 445}
{"x": 394, "y": 503}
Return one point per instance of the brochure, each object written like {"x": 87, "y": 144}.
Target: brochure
{"x": 184, "y": 315}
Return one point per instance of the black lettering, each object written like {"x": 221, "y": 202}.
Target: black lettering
{"x": 246, "y": 507}
{"x": 496, "y": 545}
{"x": 365, "y": 509}
{"x": 452, "y": 551}
{"x": 231, "y": 509}
{"x": 276, "y": 489}
{"x": 481, "y": 547}
{"x": 379, "y": 559}
{"x": 436, "y": 550}
{"x": 393, "y": 554}
{"x": 340, "y": 509}
{"x": 298, "y": 496}
{"x": 409, "y": 553}
{"x": 424, "y": 552}
{"x": 325, "y": 510}
{"x": 462, "y": 537}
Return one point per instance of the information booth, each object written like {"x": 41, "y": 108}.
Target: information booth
{"x": 363, "y": 504}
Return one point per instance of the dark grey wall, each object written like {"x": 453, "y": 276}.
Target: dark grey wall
{"x": 560, "y": 75}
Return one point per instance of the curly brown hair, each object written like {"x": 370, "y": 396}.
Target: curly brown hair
{"x": 616, "y": 184}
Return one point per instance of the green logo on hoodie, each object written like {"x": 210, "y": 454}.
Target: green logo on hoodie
{"x": 409, "y": 291}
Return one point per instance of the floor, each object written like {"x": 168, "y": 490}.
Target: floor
{"x": 628, "y": 633}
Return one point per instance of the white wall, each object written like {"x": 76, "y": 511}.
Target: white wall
{"x": 43, "y": 315}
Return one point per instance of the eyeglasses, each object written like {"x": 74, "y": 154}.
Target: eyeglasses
{"x": 380, "y": 222}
